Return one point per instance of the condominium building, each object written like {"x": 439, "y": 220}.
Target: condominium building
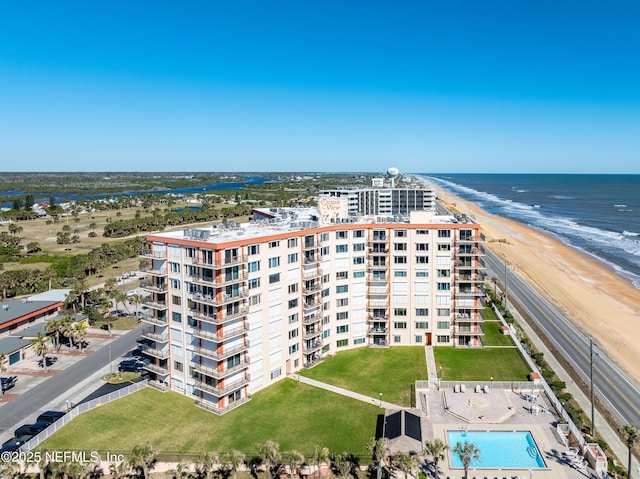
{"x": 236, "y": 308}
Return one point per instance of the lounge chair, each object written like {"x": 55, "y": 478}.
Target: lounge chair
{"x": 477, "y": 388}
{"x": 456, "y": 388}
{"x": 463, "y": 388}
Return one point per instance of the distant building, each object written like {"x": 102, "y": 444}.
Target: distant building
{"x": 236, "y": 308}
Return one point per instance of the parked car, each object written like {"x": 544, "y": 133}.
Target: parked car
{"x": 130, "y": 365}
{"x": 31, "y": 429}
{"x": 18, "y": 441}
{"x": 50, "y": 416}
{"x": 8, "y": 382}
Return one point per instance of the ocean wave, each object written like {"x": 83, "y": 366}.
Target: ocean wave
{"x": 630, "y": 233}
{"x": 620, "y": 206}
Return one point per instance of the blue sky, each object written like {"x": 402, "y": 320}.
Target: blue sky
{"x": 428, "y": 86}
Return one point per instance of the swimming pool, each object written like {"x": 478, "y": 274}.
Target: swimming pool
{"x": 499, "y": 449}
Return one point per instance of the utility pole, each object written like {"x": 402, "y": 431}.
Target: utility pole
{"x": 505, "y": 285}
{"x": 593, "y": 421}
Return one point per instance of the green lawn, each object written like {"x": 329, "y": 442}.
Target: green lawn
{"x": 371, "y": 371}
{"x": 295, "y": 415}
{"x": 493, "y": 336}
{"x": 503, "y": 364}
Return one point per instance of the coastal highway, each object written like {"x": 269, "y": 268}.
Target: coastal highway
{"x": 612, "y": 386}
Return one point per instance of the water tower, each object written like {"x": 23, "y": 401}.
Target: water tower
{"x": 393, "y": 173}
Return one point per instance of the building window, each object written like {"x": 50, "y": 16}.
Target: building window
{"x": 444, "y": 233}
{"x": 274, "y": 278}
{"x": 324, "y": 237}
{"x": 342, "y": 275}
{"x": 422, "y": 246}
{"x": 400, "y": 259}
{"x": 292, "y": 258}
{"x": 401, "y": 233}
{"x": 443, "y": 324}
{"x": 442, "y": 339}
{"x": 341, "y": 235}
{"x": 358, "y": 260}
{"x": 418, "y": 338}
{"x": 192, "y": 322}
{"x": 175, "y": 283}
{"x": 422, "y": 325}
{"x": 342, "y": 329}
{"x": 276, "y": 373}
{"x": 342, "y": 302}
{"x": 293, "y": 303}
{"x": 358, "y": 247}
{"x": 324, "y": 251}
{"x": 274, "y": 262}
{"x": 174, "y": 267}
{"x": 400, "y": 325}
{"x": 443, "y": 312}
{"x": 443, "y": 273}
{"x": 358, "y": 274}
{"x": 293, "y": 318}
{"x": 341, "y": 343}
{"x": 294, "y": 333}
{"x": 176, "y": 300}
{"x": 253, "y": 283}
{"x": 178, "y": 366}
{"x": 176, "y": 317}
{"x": 422, "y": 274}
{"x": 343, "y": 288}
{"x": 422, "y": 312}
{"x": 400, "y": 273}
{"x": 444, "y": 286}
{"x": 253, "y": 266}
{"x": 422, "y": 232}
{"x": 400, "y": 311}
{"x": 342, "y": 315}
{"x": 253, "y": 249}
{"x": 293, "y": 288}
{"x": 324, "y": 293}
{"x": 358, "y": 233}
{"x": 444, "y": 247}
{"x": 326, "y": 333}
{"x": 274, "y": 244}
{"x": 397, "y": 338}
{"x": 253, "y": 300}
{"x": 357, "y": 341}
{"x": 294, "y": 348}
{"x": 342, "y": 248}
{"x": 422, "y": 260}
{"x": 292, "y": 242}
{"x": 400, "y": 246}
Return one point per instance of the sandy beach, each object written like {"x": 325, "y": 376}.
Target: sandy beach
{"x": 596, "y": 299}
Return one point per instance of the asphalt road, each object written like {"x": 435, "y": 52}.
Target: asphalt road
{"x": 612, "y": 386}
{"x": 58, "y": 386}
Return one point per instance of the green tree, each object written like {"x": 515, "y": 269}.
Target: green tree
{"x": 54, "y": 327}
{"x": 269, "y": 453}
{"x": 436, "y": 450}
{"x": 204, "y": 465}
{"x": 405, "y": 463}
{"x": 143, "y": 458}
{"x": 40, "y": 346}
{"x": 232, "y": 461}
{"x": 293, "y": 459}
{"x": 631, "y": 435}
{"x": 467, "y": 452}
{"x": 378, "y": 448}
{"x": 4, "y": 364}
{"x": 320, "y": 455}
{"x": 343, "y": 463}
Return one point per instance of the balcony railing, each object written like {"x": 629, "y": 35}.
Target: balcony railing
{"x": 222, "y": 373}
{"x": 159, "y": 305}
{"x": 224, "y": 262}
{"x": 219, "y": 355}
{"x": 312, "y": 318}
{"x": 307, "y": 275}
{"x": 224, "y": 317}
{"x": 147, "y": 253}
{"x": 218, "y": 281}
{"x": 470, "y": 292}
{"x": 310, "y": 334}
{"x": 219, "y": 337}
{"x": 221, "y": 390}
{"x": 156, "y": 353}
{"x": 154, "y": 320}
{"x": 155, "y": 287}
{"x": 151, "y": 334}
{"x": 376, "y": 331}
{"x": 311, "y": 362}
{"x": 312, "y": 306}
{"x": 221, "y": 410}
{"x": 155, "y": 368}
{"x": 219, "y": 300}
{"x": 312, "y": 347}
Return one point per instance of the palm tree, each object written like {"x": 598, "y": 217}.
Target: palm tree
{"x": 53, "y": 326}
{"x": 343, "y": 463}
{"x": 40, "y": 346}
{"x": 204, "y": 465}
{"x": 143, "y": 458}
{"x": 631, "y": 436}
{"x": 79, "y": 332}
{"x": 436, "y": 450}
{"x": 180, "y": 472}
{"x": 135, "y": 299}
{"x": 4, "y": 364}
{"x": 320, "y": 455}
{"x": 118, "y": 470}
{"x": 467, "y": 452}
{"x": 232, "y": 461}
{"x": 269, "y": 453}
{"x": 378, "y": 448}
{"x": 294, "y": 460}
{"x": 404, "y": 462}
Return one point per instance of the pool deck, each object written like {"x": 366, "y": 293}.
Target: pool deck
{"x": 498, "y": 410}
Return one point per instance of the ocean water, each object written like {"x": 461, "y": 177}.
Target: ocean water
{"x": 596, "y": 214}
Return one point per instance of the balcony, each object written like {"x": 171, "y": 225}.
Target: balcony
{"x": 311, "y": 289}
{"x": 153, "y": 287}
{"x": 156, "y": 368}
{"x": 468, "y": 265}
{"x": 471, "y": 278}
{"x": 309, "y": 247}
{"x": 221, "y": 410}
{"x": 155, "y": 272}
{"x": 313, "y": 361}
{"x": 219, "y": 355}
{"x": 159, "y": 305}
{"x": 156, "y": 353}
{"x": 218, "y": 300}
{"x": 308, "y": 275}
{"x": 224, "y": 262}
{"x": 201, "y": 316}
{"x": 311, "y": 333}
{"x": 221, "y": 390}
{"x": 378, "y": 250}
{"x": 218, "y": 337}
{"x": 315, "y": 346}
{"x": 473, "y": 330}
{"x": 154, "y": 320}
{"x": 311, "y": 306}
{"x": 218, "y": 281}
{"x": 219, "y": 374}
{"x": 377, "y": 330}
{"x": 147, "y": 253}
{"x": 310, "y": 260}
{"x": 150, "y": 333}
{"x": 371, "y": 266}
{"x": 313, "y": 318}
{"x": 469, "y": 292}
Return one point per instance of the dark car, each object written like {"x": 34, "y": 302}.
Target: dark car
{"x": 8, "y": 383}
{"x": 50, "y": 416}
{"x": 31, "y": 429}
{"x": 16, "y": 441}
{"x": 129, "y": 365}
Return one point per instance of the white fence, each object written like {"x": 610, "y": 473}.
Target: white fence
{"x": 79, "y": 409}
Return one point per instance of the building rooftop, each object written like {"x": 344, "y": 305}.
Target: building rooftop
{"x": 10, "y": 344}
{"x": 14, "y": 309}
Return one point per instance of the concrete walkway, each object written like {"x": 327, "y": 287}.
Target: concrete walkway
{"x": 432, "y": 371}
{"x": 345, "y": 392}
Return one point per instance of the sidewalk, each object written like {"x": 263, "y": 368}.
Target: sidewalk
{"x": 345, "y": 392}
